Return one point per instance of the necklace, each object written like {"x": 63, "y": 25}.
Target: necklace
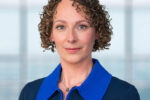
{"x": 67, "y": 89}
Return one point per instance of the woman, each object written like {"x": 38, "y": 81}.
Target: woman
{"x": 76, "y": 28}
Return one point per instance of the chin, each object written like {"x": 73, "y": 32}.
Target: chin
{"x": 73, "y": 59}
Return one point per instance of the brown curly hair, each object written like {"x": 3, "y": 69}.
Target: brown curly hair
{"x": 95, "y": 14}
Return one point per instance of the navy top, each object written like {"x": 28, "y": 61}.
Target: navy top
{"x": 99, "y": 85}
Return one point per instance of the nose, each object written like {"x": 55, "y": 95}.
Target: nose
{"x": 71, "y": 36}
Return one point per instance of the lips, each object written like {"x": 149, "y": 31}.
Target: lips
{"x": 72, "y": 50}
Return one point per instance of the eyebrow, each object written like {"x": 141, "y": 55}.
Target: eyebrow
{"x": 76, "y": 22}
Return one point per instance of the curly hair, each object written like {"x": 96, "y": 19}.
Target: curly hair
{"x": 95, "y": 14}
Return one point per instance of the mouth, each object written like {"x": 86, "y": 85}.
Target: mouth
{"x": 72, "y": 50}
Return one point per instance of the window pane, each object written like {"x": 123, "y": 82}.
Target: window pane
{"x": 34, "y": 42}
{"x": 4, "y": 3}
{"x": 141, "y": 25}
{"x": 41, "y": 67}
{"x": 141, "y": 2}
{"x": 117, "y": 42}
{"x": 141, "y": 78}
{"x": 9, "y": 80}
{"x": 37, "y": 3}
{"x": 113, "y": 3}
{"x": 9, "y": 24}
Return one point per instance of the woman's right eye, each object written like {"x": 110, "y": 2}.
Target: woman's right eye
{"x": 60, "y": 27}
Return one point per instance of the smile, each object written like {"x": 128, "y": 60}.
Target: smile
{"x": 72, "y": 50}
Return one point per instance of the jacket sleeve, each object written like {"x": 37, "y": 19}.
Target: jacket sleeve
{"x": 23, "y": 93}
{"x": 28, "y": 92}
{"x": 131, "y": 94}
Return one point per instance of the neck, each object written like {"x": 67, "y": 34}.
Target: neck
{"x": 75, "y": 74}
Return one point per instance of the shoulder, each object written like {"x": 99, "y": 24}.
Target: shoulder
{"x": 121, "y": 90}
{"x": 30, "y": 90}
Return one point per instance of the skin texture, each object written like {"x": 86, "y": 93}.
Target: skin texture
{"x": 74, "y": 39}
{"x": 95, "y": 13}
{"x": 72, "y": 34}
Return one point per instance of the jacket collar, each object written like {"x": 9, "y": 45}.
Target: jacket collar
{"x": 49, "y": 85}
{"x": 93, "y": 88}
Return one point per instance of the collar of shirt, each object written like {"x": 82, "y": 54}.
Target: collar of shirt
{"x": 93, "y": 88}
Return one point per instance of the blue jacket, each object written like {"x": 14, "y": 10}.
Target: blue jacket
{"x": 99, "y": 85}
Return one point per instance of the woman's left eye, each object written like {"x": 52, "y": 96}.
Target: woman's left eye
{"x": 82, "y": 27}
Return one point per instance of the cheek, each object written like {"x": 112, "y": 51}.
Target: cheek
{"x": 89, "y": 38}
{"x": 58, "y": 38}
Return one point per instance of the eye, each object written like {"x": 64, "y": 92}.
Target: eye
{"x": 83, "y": 27}
{"x": 60, "y": 27}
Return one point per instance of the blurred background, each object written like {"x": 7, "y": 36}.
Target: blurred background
{"x": 22, "y": 59}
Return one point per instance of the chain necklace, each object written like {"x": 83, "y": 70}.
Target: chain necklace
{"x": 67, "y": 89}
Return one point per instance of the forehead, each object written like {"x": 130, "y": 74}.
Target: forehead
{"x": 65, "y": 10}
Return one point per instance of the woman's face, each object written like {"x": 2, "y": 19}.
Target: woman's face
{"x": 73, "y": 36}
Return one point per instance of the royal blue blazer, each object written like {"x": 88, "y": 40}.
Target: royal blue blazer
{"x": 100, "y": 85}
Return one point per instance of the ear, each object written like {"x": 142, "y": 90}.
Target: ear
{"x": 97, "y": 36}
{"x": 51, "y": 38}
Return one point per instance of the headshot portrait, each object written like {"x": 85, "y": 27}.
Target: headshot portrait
{"x": 76, "y": 29}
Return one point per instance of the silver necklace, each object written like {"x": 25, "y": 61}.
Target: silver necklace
{"x": 67, "y": 89}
